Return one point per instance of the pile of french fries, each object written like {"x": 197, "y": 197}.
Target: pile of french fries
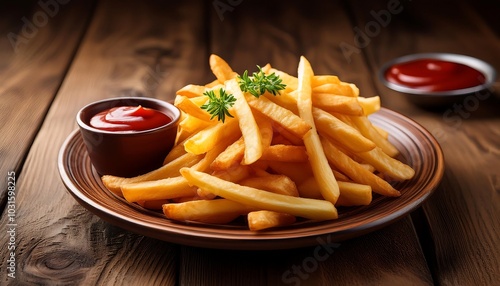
{"x": 297, "y": 155}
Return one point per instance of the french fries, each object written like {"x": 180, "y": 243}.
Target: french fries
{"x": 326, "y": 180}
{"x": 302, "y": 152}
{"x": 260, "y": 220}
{"x": 249, "y": 129}
{"x": 260, "y": 199}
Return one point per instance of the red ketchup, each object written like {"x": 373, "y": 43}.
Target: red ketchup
{"x": 129, "y": 118}
{"x": 434, "y": 75}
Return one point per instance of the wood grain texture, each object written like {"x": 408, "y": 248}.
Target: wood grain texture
{"x": 259, "y": 32}
{"x": 59, "y": 242}
{"x": 367, "y": 260}
{"x": 152, "y": 48}
{"x": 464, "y": 214}
{"x": 37, "y": 49}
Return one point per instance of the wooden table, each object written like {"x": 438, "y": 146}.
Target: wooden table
{"x": 57, "y": 56}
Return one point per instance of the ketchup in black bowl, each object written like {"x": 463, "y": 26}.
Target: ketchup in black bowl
{"x": 129, "y": 118}
{"x": 128, "y": 136}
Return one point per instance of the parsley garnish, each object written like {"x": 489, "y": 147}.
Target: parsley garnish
{"x": 259, "y": 83}
{"x": 219, "y": 105}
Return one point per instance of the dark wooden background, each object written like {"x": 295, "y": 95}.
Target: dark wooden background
{"x": 56, "y": 57}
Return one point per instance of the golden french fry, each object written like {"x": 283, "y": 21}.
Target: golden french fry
{"x": 290, "y": 81}
{"x": 366, "y": 128}
{"x": 335, "y": 89}
{"x": 322, "y": 171}
{"x": 233, "y": 174}
{"x": 285, "y": 153}
{"x": 221, "y": 69}
{"x": 340, "y": 177}
{"x": 266, "y": 130}
{"x": 215, "y": 83}
{"x": 298, "y": 172}
{"x": 114, "y": 183}
{"x": 368, "y": 167}
{"x": 285, "y": 100}
{"x": 370, "y": 104}
{"x": 262, "y": 200}
{"x": 183, "y": 199}
{"x": 248, "y": 126}
{"x": 191, "y": 90}
{"x": 153, "y": 205}
{"x": 279, "y": 115}
{"x": 351, "y": 194}
{"x": 177, "y": 151}
{"x": 288, "y": 137}
{"x": 192, "y": 107}
{"x": 207, "y": 138}
{"x": 337, "y": 103}
{"x": 383, "y": 163}
{"x": 382, "y": 132}
{"x": 309, "y": 188}
{"x": 192, "y": 124}
{"x": 169, "y": 188}
{"x": 204, "y": 164}
{"x": 354, "y": 88}
{"x": 355, "y": 171}
{"x": 182, "y": 133}
{"x": 279, "y": 139}
{"x": 349, "y": 137}
{"x": 260, "y": 220}
{"x": 278, "y": 184}
{"x": 318, "y": 80}
{"x": 230, "y": 157}
{"x": 266, "y": 68}
{"x": 234, "y": 153}
{"x": 219, "y": 211}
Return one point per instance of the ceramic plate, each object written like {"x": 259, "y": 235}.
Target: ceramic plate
{"x": 417, "y": 146}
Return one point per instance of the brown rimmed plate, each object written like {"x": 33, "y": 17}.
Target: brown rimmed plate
{"x": 417, "y": 146}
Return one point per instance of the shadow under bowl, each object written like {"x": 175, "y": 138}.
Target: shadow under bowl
{"x": 438, "y": 99}
{"x": 128, "y": 153}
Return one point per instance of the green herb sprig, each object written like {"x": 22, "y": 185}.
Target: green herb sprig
{"x": 219, "y": 105}
{"x": 259, "y": 83}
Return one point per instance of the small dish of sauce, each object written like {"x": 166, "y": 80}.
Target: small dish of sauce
{"x": 129, "y": 118}
{"x": 128, "y": 136}
{"x": 436, "y": 78}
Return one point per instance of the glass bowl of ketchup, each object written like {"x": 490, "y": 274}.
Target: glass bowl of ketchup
{"x": 128, "y": 136}
{"x": 437, "y": 79}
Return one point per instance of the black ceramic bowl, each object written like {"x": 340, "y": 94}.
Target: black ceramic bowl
{"x": 128, "y": 153}
{"x": 440, "y": 98}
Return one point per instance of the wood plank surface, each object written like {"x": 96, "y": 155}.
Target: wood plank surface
{"x": 463, "y": 216}
{"x": 152, "y": 48}
{"x": 37, "y": 44}
{"x": 128, "y": 49}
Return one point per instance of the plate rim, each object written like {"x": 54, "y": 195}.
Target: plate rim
{"x": 262, "y": 241}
